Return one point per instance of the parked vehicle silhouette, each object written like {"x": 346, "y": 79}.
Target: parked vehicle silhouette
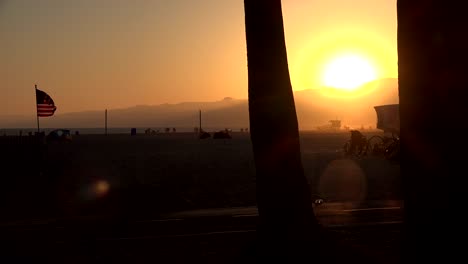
{"x": 59, "y": 135}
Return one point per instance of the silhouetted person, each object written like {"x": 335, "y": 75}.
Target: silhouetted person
{"x": 357, "y": 143}
{"x": 204, "y": 135}
{"x": 223, "y": 134}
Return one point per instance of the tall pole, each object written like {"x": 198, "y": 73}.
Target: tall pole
{"x": 199, "y": 119}
{"x": 105, "y": 125}
{"x": 37, "y": 114}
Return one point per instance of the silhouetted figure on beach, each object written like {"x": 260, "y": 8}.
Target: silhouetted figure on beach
{"x": 204, "y": 135}
{"x": 357, "y": 143}
{"x": 223, "y": 134}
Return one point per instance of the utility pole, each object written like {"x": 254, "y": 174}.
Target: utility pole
{"x": 105, "y": 124}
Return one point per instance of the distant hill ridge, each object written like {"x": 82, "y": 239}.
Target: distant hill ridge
{"x": 314, "y": 108}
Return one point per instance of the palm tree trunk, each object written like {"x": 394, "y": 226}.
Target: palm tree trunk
{"x": 433, "y": 83}
{"x": 283, "y": 195}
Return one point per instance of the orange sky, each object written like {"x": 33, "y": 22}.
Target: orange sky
{"x": 96, "y": 54}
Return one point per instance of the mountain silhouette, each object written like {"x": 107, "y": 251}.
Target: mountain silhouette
{"x": 314, "y": 108}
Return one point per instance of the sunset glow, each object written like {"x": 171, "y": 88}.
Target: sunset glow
{"x": 96, "y": 55}
{"x": 348, "y": 72}
{"x": 343, "y": 59}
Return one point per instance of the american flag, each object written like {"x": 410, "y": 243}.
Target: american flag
{"x": 45, "y": 104}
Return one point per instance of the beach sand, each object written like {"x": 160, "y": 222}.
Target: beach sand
{"x": 177, "y": 171}
{"x": 146, "y": 177}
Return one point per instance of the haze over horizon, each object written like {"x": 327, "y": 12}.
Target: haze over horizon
{"x": 91, "y": 55}
{"x": 315, "y": 107}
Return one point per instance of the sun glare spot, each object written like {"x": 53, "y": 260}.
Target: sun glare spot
{"x": 101, "y": 187}
{"x": 348, "y": 72}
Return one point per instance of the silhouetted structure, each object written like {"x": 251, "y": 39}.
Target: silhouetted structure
{"x": 105, "y": 122}
{"x": 287, "y": 221}
{"x": 333, "y": 126}
{"x": 433, "y": 85}
{"x": 388, "y": 118}
{"x": 150, "y": 131}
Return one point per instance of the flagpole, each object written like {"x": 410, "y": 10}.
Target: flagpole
{"x": 199, "y": 120}
{"x": 37, "y": 113}
{"x": 105, "y": 125}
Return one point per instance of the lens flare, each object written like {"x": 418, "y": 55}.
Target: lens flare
{"x": 343, "y": 180}
{"x": 101, "y": 188}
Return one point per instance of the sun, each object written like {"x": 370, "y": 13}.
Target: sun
{"x": 348, "y": 72}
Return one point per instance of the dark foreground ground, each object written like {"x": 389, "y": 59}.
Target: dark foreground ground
{"x": 172, "y": 198}
{"x": 210, "y": 239}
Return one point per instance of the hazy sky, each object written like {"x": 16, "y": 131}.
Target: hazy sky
{"x": 96, "y": 54}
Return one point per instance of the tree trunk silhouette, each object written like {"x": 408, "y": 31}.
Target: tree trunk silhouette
{"x": 284, "y": 200}
{"x": 433, "y": 83}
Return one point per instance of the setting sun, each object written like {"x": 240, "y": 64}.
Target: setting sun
{"x": 348, "y": 72}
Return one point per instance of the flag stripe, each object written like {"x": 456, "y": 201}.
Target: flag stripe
{"x": 45, "y": 104}
{"x": 46, "y": 107}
